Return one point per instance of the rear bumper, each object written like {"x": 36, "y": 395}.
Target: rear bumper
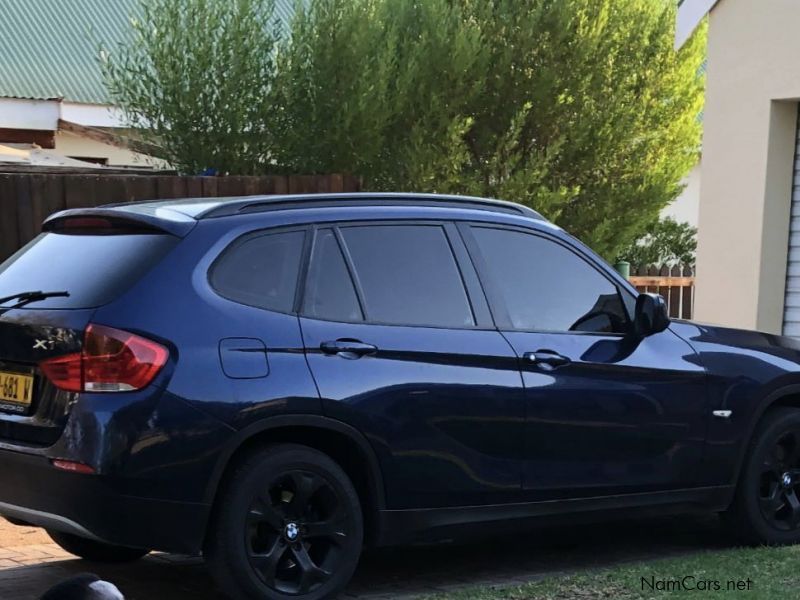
{"x": 32, "y": 490}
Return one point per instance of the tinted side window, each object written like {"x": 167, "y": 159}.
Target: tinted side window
{"x": 547, "y": 287}
{"x": 261, "y": 271}
{"x": 408, "y": 275}
{"x": 330, "y": 293}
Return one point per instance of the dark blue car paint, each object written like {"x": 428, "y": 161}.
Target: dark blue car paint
{"x": 747, "y": 372}
{"x": 453, "y": 424}
{"x": 443, "y": 409}
{"x": 624, "y": 416}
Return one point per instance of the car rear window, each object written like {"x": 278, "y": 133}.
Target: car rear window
{"x": 261, "y": 270}
{"x": 94, "y": 269}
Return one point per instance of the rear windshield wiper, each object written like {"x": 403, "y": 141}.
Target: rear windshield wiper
{"x": 33, "y": 296}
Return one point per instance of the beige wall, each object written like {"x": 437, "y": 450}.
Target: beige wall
{"x": 686, "y": 207}
{"x": 75, "y": 146}
{"x": 749, "y": 122}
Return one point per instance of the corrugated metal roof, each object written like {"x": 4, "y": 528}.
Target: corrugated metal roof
{"x": 49, "y": 48}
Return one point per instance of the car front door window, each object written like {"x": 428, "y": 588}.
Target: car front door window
{"x": 547, "y": 287}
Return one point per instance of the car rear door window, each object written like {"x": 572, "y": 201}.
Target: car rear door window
{"x": 545, "y": 286}
{"x": 261, "y": 270}
{"x": 330, "y": 293}
{"x": 408, "y": 275}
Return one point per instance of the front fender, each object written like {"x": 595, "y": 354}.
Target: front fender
{"x": 775, "y": 398}
{"x": 748, "y": 372}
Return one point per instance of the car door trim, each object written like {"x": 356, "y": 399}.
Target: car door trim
{"x": 410, "y": 525}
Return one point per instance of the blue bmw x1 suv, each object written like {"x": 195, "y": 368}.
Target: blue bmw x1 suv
{"x": 276, "y": 382}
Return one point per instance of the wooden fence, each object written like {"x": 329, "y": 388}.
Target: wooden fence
{"x": 26, "y": 199}
{"x": 675, "y": 283}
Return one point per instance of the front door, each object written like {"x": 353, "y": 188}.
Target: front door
{"x": 607, "y": 412}
{"x": 400, "y": 342}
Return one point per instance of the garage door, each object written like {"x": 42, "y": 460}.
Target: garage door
{"x": 791, "y": 311}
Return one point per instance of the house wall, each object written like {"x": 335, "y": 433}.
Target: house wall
{"x": 750, "y": 118}
{"x": 20, "y": 113}
{"x": 16, "y": 113}
{"x": 29, "y": 113}
{"x": 75, "y": 146}
{"x": 686, "y": 207}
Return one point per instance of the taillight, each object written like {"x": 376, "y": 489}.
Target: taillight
{"x": 112, "y": 360}
{"x": 72, "y": 466}
{"x": 65, "y": 372}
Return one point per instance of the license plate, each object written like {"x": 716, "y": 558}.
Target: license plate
{"x": 16, "y": 391}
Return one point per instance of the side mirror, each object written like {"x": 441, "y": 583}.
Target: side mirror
{"x": 651, "y": 315}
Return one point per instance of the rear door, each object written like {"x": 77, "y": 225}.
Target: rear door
{"x": 90, "y": 268}
{"x": 400, "y": 341}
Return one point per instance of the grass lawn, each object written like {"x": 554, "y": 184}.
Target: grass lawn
{"x": 742, "y": 572}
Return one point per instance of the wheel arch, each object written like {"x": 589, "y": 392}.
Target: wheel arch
{"x": 343, "y": 443}
{"x": 788, "y": 395}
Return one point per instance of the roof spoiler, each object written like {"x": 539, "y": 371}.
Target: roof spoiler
{"x": 119, "y": 220}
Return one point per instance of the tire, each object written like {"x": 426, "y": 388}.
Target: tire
{"x": 95, "y": 551}
{"x": 287, "y": 524}
{"x": 766, "y": 506}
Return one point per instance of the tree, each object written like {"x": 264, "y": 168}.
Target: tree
{"x": 378, "y": 88}
{"x": 666, "y": 241}
{"x": 195, "y": 78}
{"x": 580, "y": 109}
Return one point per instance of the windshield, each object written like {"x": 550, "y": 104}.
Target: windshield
{"x": 94, "y": 269}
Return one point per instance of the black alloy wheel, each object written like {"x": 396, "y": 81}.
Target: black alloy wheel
{"x": 288, "y": 525}
{"x": 297, "y": 531}
{"x": 779, "y": 482}
{"x": 766, "y": 505}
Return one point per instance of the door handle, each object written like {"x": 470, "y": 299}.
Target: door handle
{"x": 348, "y": 348}
{"x": 547, "y": 357}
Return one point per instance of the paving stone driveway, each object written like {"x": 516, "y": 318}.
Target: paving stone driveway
{"x": 29, "y": 564}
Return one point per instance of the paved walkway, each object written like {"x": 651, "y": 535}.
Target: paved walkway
{"x": 29, "y": 563}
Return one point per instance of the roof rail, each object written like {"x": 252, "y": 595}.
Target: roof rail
{"x": 254, "y": 204}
